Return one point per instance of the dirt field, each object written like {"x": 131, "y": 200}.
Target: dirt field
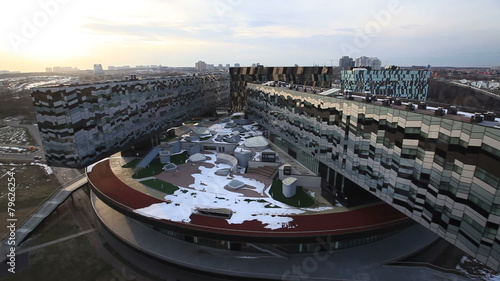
{"x": 33, "y": 186}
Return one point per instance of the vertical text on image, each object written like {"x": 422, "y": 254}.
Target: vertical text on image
{"x": 11, "y": 221}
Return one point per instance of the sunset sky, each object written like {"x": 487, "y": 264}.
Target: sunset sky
{"x": 36, "y": 34}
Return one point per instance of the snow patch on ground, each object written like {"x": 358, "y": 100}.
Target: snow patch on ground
{"x": 12, "y": 149}
{"x": 209, "y": 193}
{"x": 13, "y": 135}
{"x": 184, "y": 202}
{"x": 475, "y": 270}
{"x": 89, "y": 167}
{"x": 47, "y": 168}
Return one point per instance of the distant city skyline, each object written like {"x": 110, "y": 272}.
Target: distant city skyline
{"x": 44, "y": 33}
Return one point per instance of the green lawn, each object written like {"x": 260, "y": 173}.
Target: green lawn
{"x": 160, "y": 185}
{"x": 155, "y": 167}
{"x": 301, "y": 198}
{"x": 179, "y": 158}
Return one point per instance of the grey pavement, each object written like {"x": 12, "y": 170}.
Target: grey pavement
{"x": 367, "y": 262}
{"x": 29, "y": 156}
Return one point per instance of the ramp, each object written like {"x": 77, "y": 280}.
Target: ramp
{"x": 149, "y": 157}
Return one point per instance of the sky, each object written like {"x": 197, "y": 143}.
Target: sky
{"x": 40, "y": 33}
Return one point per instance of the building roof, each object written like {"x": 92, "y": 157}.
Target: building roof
{"x": 200, "y": 130}
{"x": 258, "y": 141}
{"x": 121, "y": 196}
{"x": 197, "y": 157}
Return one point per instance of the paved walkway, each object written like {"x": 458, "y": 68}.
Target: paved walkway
{"x": 368, "y": 262}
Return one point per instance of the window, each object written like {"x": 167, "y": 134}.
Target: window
{"x": 457, "y": 169}
{"x": 443, "y": 138}
{"x": 473, "y": 223}
{"x": 495, "y": 209}
{"x": 420, "y": 154}
{"x": 480, "y": 203}
{"x": 439, "y": 160}
{"x": 412, "y": 130}
{"x": 486, "y": 177}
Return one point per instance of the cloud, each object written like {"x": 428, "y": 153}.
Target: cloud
{"x": 280, "y": 32}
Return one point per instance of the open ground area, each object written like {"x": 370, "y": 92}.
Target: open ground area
{"x": 33, "y": 186}
{"x": 69, "y": 258}
{"x": 15, "y": 136}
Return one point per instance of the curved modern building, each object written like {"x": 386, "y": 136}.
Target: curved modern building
{"x": 440, "y": 169}
{"x": 211, "y": 204}
{"x": 376, "y": 168}
{"x": 211, "y": 227}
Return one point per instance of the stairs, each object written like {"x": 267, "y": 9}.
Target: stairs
{"x": 267, "y": 172}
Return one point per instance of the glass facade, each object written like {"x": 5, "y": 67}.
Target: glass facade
{"x": 443, "y": 173}
{"x": 323, "y": 243}
{"x": 409, "y": 84}
{"x": 84, "y": 123}
{"x": 317, "y": 76}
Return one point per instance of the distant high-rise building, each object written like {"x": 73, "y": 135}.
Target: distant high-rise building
{"x": 345, "y": 63}
{"x": 98, "y": 69}
{"x": 371, "y": 62}
{"x": 48, "y": 69}
{"x": 228, "y": 65}
{"x": 362, "y": 61}
{"x": 236, "y": 65}
{"x": 201, "y": 66}
{"x": 375, "y": 63}
{"x": 64, "y": 69}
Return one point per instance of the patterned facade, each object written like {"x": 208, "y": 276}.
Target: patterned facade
{"x": 83, "y": 123}
{"x": 441, "y": 172}
{"x": 408, "y": 84}
{"x": 316, "y": 76}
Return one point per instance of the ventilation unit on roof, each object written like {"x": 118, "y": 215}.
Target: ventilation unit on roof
{"x": 439, "y": 111}
{"x": 476, "y": 118}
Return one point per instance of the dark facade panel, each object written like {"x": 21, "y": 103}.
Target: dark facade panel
{"x": 316, "y": 76}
